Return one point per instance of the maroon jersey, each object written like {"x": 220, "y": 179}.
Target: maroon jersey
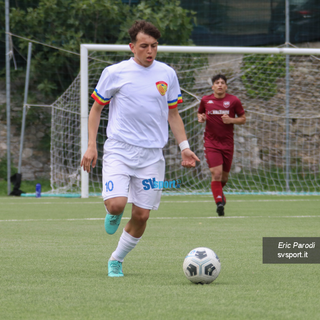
{"x": 217, "y": 134}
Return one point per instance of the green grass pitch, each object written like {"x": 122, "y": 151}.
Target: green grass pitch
{"x": 54, "y": 254}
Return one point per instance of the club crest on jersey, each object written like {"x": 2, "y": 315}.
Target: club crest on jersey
{"x": 226, "y": 104}
{"x": 162, "y": 87}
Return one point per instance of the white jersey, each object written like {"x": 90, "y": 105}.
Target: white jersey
{"x": 140, "y": 99}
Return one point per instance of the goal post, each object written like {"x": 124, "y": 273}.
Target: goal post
{"x": 261, "y": 94}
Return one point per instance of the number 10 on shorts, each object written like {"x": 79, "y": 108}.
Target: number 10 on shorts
{"x": 109, "y": 186}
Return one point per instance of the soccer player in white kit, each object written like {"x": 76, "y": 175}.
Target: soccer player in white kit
{"x": 143, "y": 95}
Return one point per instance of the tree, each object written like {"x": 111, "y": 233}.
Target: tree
{"x": 67, "y": 23}
{"x": 174, "y": 22}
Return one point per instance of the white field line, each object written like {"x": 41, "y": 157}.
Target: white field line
{"x": 178, "y": 201}
{"x": 164, "y": 218}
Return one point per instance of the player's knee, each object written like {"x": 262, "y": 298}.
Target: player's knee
{"x": 224, "y": 180}
{"x": 141, "y": 220}
{"x": 140, "y": 216}
{"x": 217, "y": 176}
{"x": 114, "y": 206}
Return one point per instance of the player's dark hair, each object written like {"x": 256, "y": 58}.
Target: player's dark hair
{"x": 219, "y": 76}
{"x": 144, "y": 27}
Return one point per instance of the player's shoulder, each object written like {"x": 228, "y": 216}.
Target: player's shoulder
{"x": 231, "y": 96}
{"x": 113, "y": 72}
{"x": 117, "y": 66}
{"x": 163, "y": 66}
{"x": 208, "y": 97}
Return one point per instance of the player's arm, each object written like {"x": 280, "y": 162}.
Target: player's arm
{"x": 201, "y": 117}
{"x": 239, "y": 120}
{"x": 202, "y": 112}
{"x": 177, "y": 127}
{"x": 91, "y": 154}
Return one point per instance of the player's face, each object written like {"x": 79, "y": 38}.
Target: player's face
{"x": 219, "y": 88}
{"x": 144, "y": 49}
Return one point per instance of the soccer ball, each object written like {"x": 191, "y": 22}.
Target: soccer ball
{"x": 201, "y": 265}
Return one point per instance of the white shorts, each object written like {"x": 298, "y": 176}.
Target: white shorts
{"x": 129, "y": 171}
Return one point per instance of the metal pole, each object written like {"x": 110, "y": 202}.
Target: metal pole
{"x": 23, "y": 124}
{"x": 8, "y": 96}
{"x": 208, "y": 49}
{"x": 287, "y": 98}
{"x": 84, "y": 116}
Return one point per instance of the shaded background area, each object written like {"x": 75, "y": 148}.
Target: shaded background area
{"x": 253, "y": 22}
{"x": 240, "y": 22}
{"x": 228, "y": 22}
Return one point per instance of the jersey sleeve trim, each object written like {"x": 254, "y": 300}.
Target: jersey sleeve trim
{"x": 100, "y": 99}
{"x": 174, "y": 103}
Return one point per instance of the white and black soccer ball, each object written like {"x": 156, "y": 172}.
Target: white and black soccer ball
{"x": 201, "y": 265}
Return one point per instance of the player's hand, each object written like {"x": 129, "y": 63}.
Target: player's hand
{"x": 226, "y": 119}
{"x": 188, "y": 158}
{"x": 91, "y": 155}
{"x": 201, "y": 117}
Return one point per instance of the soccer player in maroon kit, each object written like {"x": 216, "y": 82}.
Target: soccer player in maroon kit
{"x": 219, "y": 111}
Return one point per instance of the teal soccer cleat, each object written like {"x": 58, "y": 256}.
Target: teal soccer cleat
{"x": 115, "y": 268}
{"x": 112, "y": 222}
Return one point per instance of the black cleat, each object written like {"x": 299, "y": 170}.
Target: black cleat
{"x": 220, "y": 209}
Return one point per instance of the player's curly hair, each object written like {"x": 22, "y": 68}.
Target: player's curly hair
{"x": 144, "y": 27}
{"x": 217, "y": 77}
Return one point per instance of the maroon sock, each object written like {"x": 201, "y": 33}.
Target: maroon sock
{"x": 216, "y": 189}
{"x": 224, "y": 198}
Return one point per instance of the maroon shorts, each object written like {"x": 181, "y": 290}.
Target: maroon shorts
{"x": 217, "y": 157}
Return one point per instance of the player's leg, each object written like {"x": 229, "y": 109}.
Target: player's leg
{"x": 224, "y": 180}
{"x": 114, "y": 207}
{"x": 138, "y": 222}
{"x": 119, "y": 160}
{"x": 227, "y": 162}
{"x": 115, "y": 194}
{"x": 216, "y": 188}
{"x": 115, "y": 188}
{"x": 130, "y": 237}
{"x": 143, "y": 198}
{"x": 116, "y": 179}
{"x": 215, "y": 162}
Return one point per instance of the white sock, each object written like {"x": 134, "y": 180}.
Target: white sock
{"x": 126, "y": 243}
